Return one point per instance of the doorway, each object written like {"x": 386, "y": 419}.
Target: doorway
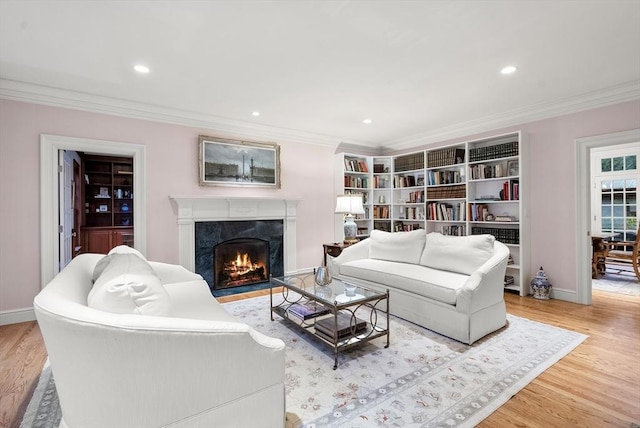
{"x": 584, "y": 147}
{"x": 50, "y": 147}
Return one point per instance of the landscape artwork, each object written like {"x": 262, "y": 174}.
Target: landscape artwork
{"x": 238, "y": 163}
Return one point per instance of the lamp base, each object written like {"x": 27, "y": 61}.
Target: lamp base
{"x": 350, "y": 230}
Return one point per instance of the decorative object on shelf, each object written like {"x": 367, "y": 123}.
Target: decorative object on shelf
{"x": 322, "y": 276}
{"x": 349, "y": 205}
{"x": 349, "y": 289}
{"x": 541, "y": 286}
{"x": 103, "y": 208}
{"x": 124, "y": 207}
{"x": 381, "y": 199}
{"x": 225, "y": 162}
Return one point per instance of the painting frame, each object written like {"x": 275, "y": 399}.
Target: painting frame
{"x": 236, "y": 163}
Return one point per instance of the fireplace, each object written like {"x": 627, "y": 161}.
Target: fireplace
{"x": 238, "y": 262}
{"x": 198, "y": 214}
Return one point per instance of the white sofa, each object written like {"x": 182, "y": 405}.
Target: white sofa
{"x": 451, "y": 285}
{"x": 197, "y": 366}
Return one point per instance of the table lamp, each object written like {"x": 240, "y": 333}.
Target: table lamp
{"x": 349, "y": 205}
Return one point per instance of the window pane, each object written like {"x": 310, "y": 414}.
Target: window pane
{"x": 605, "y": 165}
{"x": 606, "y": 199}
{"x": 631, "y": 198}
{"x": 618, "y": 184}
{"x": 618, "y": 163}
{"x": 630, "y": 184}
{"x": 618, "y": 224}
{"x": 606, "y": 224}
{"x": 630, "y": 162}
{"x": 618, "y": 198}
{"x": 606, "y": 211}
{"x": 618, "y": 211}
{"x": 606, "y": 185}
{"x": 632, "y": 223}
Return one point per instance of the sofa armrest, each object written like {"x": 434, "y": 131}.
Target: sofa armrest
{"x": 485, "y": 286}
{"x": 357, "y": 251}
{"x": 170, "y": 273}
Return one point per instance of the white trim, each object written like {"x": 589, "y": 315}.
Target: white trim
{"x": 17, "y": 316}
{"x": 567, "y": 295}
{"x": 49, "y": 147}
{"x": 56, "y": 97}
{"x": 583, "y": 204}
{"x": 27, "y": 92}
{"x": 222, "y": 208}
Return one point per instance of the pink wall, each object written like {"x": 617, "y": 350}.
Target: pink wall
{"x": 172, "y": 169}
{"x": 306, "y": 175}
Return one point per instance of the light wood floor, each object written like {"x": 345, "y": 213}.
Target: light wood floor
{"x": 596, "y": 385}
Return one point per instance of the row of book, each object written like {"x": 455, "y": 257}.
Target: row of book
{"x": 400, "y": 181}
{"x": 380, "y": 211}
{"x": 409, "y": 162}
{"x": 363, "y": 195}
{"x": 399, "y": 226}
{"x": 415, "y": 197}
{"x": 380, "y": 182}
{"x": 355, "y": 181}
{"x": 446, "y": 212}
{"x": 355, "y": 165}
{"x": 445, "y": 157}
{"x": 497, "y": 151}
{"x": 478, "y": 212}
{"x": 380, "y": 168}
{"x": 509, "y": 281}
{"x": 506, "y": 236}
{"x": 447, "y": 192}
{"x": 510, "y": 191}
{"x": 413, "y": 213}
{"x": 347, "y": 324}
{"x": 444, "y": 177}
{"x": 454, "y": 230}
{"x": 382, "y": 225}
{"x": 481, "y": 171}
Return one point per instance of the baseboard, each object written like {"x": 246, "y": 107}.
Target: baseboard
{"x": 569, "y": 296}
{"x": 17, "y": 316}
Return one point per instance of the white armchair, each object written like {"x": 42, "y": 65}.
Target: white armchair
{"x": 199, "y": 367}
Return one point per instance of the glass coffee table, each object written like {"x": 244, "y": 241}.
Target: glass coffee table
{"x": 340, "y": 314}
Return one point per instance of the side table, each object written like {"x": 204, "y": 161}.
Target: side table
{"x": 334, "y": 249}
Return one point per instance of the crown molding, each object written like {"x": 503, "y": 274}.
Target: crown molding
{"x": 56, "y": 97}
{"x": 591, "y": 100}
{"x": 38, "y": 94}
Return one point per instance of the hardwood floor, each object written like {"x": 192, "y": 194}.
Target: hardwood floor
{"x": 596, "y": 385}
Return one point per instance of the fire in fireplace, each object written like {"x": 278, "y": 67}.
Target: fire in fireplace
{"x": 242, "y": 261}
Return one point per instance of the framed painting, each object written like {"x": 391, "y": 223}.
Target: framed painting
{"x": 238, "y": 163}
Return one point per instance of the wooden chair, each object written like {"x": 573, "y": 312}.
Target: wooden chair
{"x": 624, "y": 253}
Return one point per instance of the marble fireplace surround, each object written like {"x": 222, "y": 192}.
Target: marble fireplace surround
{"x": 192, "y": 209}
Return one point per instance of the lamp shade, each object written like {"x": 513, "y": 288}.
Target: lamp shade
{"x": 349, "y": 204}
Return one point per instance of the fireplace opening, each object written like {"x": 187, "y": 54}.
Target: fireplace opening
{"x": 239, "y": 262}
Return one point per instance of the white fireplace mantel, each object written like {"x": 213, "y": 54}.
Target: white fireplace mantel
{"x": 192, "y": 209}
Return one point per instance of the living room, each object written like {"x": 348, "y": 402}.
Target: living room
{"x": 30, "y": 110}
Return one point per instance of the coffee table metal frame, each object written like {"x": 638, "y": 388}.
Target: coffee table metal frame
{"x": 301, "y": 288}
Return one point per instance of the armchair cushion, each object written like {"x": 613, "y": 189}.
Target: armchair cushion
{"x": 120, "y": 249}
{"x": 128, "y": 285}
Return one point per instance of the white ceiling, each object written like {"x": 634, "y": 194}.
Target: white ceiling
{"x": 421, "y": 70}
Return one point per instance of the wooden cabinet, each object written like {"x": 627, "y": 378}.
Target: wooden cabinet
{"x": 108, "y": 202}
{"x": 468, "y": 188}
{"x": 101, "y": 240}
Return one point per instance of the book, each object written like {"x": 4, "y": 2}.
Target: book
{"x": 328, "y": 327}
{"x": 308, "y": 310}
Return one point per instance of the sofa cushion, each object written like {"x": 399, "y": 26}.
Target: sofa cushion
{"x": 420, "y": 280}
{"x": 461, "y": 254}
{"x": 120, "y": 249}
{"x": 128, "y": 285}
{"x": 403, "y": 247}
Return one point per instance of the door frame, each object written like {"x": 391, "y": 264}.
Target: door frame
{"x": 583, "y": 204}
{"x": 50, "y": 145}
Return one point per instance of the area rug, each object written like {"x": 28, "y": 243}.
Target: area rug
{"x": 422, "y": 380}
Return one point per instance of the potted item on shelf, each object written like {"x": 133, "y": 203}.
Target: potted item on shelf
{"x": 541, "y": 286}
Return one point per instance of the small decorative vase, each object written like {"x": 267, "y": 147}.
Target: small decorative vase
{"x": 323, "y": 276}
{"x": 541, "y": 286}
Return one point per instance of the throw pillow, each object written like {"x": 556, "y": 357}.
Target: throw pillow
{"x": 404, "y": 247}
{"x": 120, "y": 249}
{"x": 128, "y": 285}
{"x": 460, "y": 254}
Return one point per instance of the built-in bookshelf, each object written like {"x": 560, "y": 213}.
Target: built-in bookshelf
{"x": 469, "y": 188}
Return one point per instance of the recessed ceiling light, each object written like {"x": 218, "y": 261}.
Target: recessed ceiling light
{"x": 256, "y": 113}
{"x": 143, "y": 69}
{"x": 367, "y": 121}
{"x": 508, "y": 69}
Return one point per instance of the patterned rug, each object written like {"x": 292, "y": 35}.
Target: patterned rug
{"x": 422, "y": 380}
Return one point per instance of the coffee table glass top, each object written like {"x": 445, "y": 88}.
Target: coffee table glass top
{"x": 334, "y": 292}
